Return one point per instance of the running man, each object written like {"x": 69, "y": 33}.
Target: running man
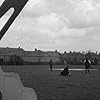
{"x": 87, "y": 63}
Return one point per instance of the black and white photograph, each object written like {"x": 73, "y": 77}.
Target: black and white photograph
{"x": 49, "y": 50}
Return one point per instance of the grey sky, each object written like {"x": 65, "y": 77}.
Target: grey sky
{"x": 55, "y": 24}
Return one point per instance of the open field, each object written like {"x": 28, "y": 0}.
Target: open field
{"x": 51, "y": 86}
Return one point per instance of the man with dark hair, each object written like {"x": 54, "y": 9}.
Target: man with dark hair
{"x": 87, "y": 63}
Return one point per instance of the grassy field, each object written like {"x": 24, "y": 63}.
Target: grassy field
{"x": 51, "y": 86}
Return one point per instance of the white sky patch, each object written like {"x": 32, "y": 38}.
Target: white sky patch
{"x": 54, "y": 26}
{"x": 96, "y": 38}
{"x": 50, "y": 22}
{"x": 93, "y": 33}
{"x": 31, "y": 3}
{"x": 75, "y": 33}
{"x": 81, "y": 13}
{"x": 35, "y": 8}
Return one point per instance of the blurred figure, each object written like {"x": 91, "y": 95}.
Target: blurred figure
{"x": 65, "y": 62}
{"x": 65, "y": 72}
{"x": 87, "y": 63}
{"x": 51, "y": 64}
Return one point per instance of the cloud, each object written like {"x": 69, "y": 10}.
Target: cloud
{"x": 52, "y": 25}
{"x": 81, "y": 13}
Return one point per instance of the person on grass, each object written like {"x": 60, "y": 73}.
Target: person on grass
{"x": 51, "y": 64}
{"x": 65, "y": 72}
{"x": 87, "y": 64}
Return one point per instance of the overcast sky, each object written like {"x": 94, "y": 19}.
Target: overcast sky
{"x": 55, "y": 24}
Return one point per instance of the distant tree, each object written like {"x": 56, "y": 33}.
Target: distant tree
{"x": 64, "y": 52}
{"x": 89, "y": 54}
{"x": 75, "y": 60}
{"x": 69, "y": 60}
{"x": 56, "y": 50}
{"x": 99, "y": 55}
{"x": 35, "y": 49}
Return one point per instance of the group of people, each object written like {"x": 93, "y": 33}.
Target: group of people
{"x": 66, "y": 72}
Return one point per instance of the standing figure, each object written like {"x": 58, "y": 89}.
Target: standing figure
{"x": 87, "y": 63}
{"x": 51, "y": 64}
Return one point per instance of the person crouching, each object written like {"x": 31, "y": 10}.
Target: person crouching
{"x": 66, "y": 72}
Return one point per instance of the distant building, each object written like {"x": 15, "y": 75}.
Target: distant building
{"x": 5, "y": 53}
{"x": 41, "y": 56}
{"x": 29, "y": 56}
{"x": 38, "y": 56}
{"x": 74, "y": 57}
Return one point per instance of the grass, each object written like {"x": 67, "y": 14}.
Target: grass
{"x": 51, "y": 86}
